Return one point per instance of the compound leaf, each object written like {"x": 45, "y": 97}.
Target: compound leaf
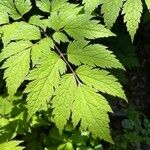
{"x": 77, "y": 25}
{"x": 30, "y": 46}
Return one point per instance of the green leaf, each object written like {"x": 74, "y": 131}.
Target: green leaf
{"x": 43, "y": 46}
{"x": 65, "y": 146}
{"x": 17, "y": 55}
{"x": 83, "y": 27}
{"x": 62, "y": 102}
{"x": 39, "y": 21}
{"x": 44, "y": 78}
{"x": 50, "y": 6}
{"x": 23, "y": 6}
{"x": 3, "y": 18}
{"x": 30, "y": 39}
{"x": 148, "y": 3}
{"x": 86, "y": 105}
{"x": 14, "y": 48}
{"x": 90, "y": 109}
{"x": 3, "y": 122}
{"x": 101, "y": 80}
{"x": 57, "y": 4}
{"x": 5, "y": 106}
{"x": 93, "y": 55}
{"x": 60, "y": 18}
{"x": 77, "y": 25}
{"x": 20, "y": 31}
{"x": 132, "y": 10}
{"x": 44, "y": 5}
{"x": 111, "y": 9}
{"x": 91, "y": 5}
{"x": 8, "y": 6}
{"x": 11, "y": 145}
{"x": 59, "y": 36}
{"x": 19, "y": 62}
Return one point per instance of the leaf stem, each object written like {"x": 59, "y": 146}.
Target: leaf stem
{"x": 65, "y": 60}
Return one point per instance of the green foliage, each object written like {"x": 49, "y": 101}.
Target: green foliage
{"x": 130, "y": 9}
{"x": 11, "y": 145}
{"x": 56, "y": 73}
{"x": 132, "y": 13}
{"x": 93, "y": 55}
{"x": 110, "y": 15}
{"x": 19, "y": 31}
{"x": 89, "y": 7}
{"x": 44, "y": 78}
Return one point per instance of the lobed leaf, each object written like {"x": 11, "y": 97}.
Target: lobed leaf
{"x": 14, "y": 48}
{"x": 42, "y": 46}
{"x": 19, "y": 31}
{"x": 90, "y": 109}
{"x": 63, "y": 100}
{"x": 91, "y": 5}
{"x": 19, "y": 62}
{"x": 132, "y": 10}
{"x": 44, "y": 5}
{"x": 8, "y": 6}
{"x": 23, "y": 6}
{"x": 44, "y": 78}
{"x": 4, "y": 19}
{"x": 60, "y": 37}
{"x": 101, "y": 80}
{"x": 11, "y": 145}
{"x": 111, "y": 9}
{"x": 94, "y": 55}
